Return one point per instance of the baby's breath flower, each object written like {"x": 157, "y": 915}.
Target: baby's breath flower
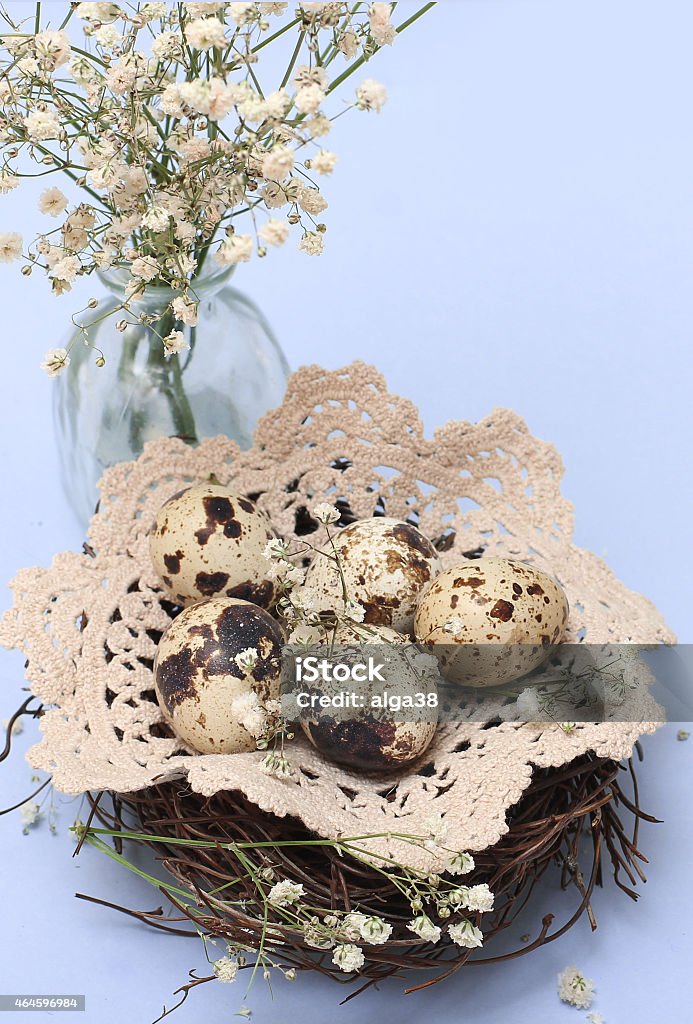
{"x": 326, "y": 514}
{"x": 277, "y": 766}
{"x": 8, "y": 181}
{"x": 348, "y": 957}
{"x": 10, "y": 246}
{"x": 382, "y": 30}
{"x": 226, "y": 968}
{"x": 205, "y": 33}
{"x": 477, "y": 897}
{"x": 278, "y": 163}
{"x": 248, "y": 712}
{"x": 460, "y": 864}
{"x": 595, "y": 1018}
{"x": 324, "y": 162}
{"x": 55, "y": 361}
{"x": 464, "y": 933}
{"x": 424, "y": 928}
{"x": 234, "y": 249}
{"x": 185, "y": 310}
{"x": 30, "y": 812}
{"x": 174, "y": 343}
{"x": 312, "y": 243}
{"x": 453, "y": 626}
{"x": 575, "y": 988}
{"x": 52, "y": 201}
{"x": 276, "y": 548}
{"x": 284, "y": 893}
{"x": 375, "y": 931}
{"x": 17, "y": 727}
{"x": 354, "y": 611}
{"x": 309, "y": 98}
{"x": 371, "y": 95}
{"x": 274, "y": 232}
{"x": 247, "y": 660}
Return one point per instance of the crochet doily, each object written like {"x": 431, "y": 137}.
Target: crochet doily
{"x": 90, "y": 624}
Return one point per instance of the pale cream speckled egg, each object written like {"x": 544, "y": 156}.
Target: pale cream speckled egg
{"x": 371, "y": 739}
{"x": 208, "y": 542}
{"x": 509, "y": 616}
{"x": 197, "y": 679}
{"x": 386, "y": 564}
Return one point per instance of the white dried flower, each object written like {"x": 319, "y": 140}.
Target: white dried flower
{"x": 466, "y": 934}
{"x": 275, "y": 548}
{"x": 382, "y": 30}
{"x": 185, "y": 310}
{"x": 274, "y": 231}
{"x": 595, "y": 1018}
{"x": 326, "y": 514}
{"x": 42, "y": 125}
{"x": 424, "y": 928}
{"x": 198, "y": 10}
{"x": 168, "y": 45}
{"x": 174, "y": 343}
{"x": 55, "y": 361}
{"x": 453, "y": 626}
{"x": 460, "y": 864}
{"x": 278, "y": 163}
{"x": 8, "y": 181}
{"x": 247, "y": 660}
{"x": 371, "y": 95}
{"x": 205, "y": 34}
{"x": 312, "y": 243}
{"x": 248, "y": 711}
{"x": 17, "y": 727}
{"x": 243, "y": 13}
{"x": 156, "y": 219}
{"x": 375, "y": 931}
{"x": 10, "y": 246}
{"x": 226, "y": 969}
{"x": 52, "y": 201}
{"x": 477, "y": 897}
{"x": 324, "y": 162}
{"x": 277, "y": 766}
{"x": 97, "y": 11}
{"x": 146, "y": 268}
{"x": 234, "y": 249}
{"x": 30, "y": 812}
{"x": 318, "y": 126}
{"x": 308, "y": 98}
{"x": 284, "y": 893}
{"x": 575, "y": 988}
{"x": 348, "y": 958}
{"x": 52, "y": 48}
{"x": 354, "y": 611}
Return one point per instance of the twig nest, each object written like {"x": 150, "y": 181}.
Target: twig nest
{"x": 385, "y": 562}
{"x": 491, "y": 620}
{"x": 207, "y": 541}
{"x": 394, "y": 715}
{"x": 213, "y": 703}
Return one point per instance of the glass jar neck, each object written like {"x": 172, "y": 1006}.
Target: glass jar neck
{"x": 156, "y": 296}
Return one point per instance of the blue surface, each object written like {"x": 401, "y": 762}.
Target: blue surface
{"x": 524, "y": 238}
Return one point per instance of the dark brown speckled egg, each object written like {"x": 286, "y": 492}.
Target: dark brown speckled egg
{"x": 200, "y": 687}
{"x": 208, "y": 542}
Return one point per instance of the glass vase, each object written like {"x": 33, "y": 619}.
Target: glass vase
{"x": 232, "y": 372}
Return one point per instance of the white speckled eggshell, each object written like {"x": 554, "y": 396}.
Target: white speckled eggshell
{"x": 208, "y": 542}
{"x": 386, "y": 564}
{"x": 196, "y": 678}
{"x": 361, "y": 742}
{"x": 511, "y": 614}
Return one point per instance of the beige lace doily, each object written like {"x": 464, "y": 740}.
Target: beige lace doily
{"x": 89, "y": 625}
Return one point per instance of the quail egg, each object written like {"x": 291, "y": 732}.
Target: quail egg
{"x": 208, "y": 542}
{"x": 491, "y": 620}
{"x": 380, "y": 711}
{"x": 385, "y": 562}
{"x": 212, "y": 703}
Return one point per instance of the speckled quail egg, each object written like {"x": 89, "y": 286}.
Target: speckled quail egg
{"x": 491, "y": 620}
{"x": 208, "y": 542}
{"x": 201, "y": 689}
{"x": 368, "y": 724}
{"x": 386, "y": 563}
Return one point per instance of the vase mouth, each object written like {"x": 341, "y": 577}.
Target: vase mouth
{"x": 211, "y": 279}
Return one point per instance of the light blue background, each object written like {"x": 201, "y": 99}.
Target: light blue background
{"x": 516, "y": 228}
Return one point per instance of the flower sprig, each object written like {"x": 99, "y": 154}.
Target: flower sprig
{"x": 163, "y": 119}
